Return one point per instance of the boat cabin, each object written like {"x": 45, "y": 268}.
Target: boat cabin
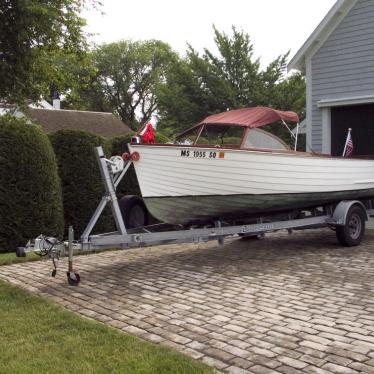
{"x": 238, "y": 129}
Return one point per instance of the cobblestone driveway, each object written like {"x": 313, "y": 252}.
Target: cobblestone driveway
{"x": 285, "y": 304}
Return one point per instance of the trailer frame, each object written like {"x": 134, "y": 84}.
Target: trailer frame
{"x": 331, "y": 215}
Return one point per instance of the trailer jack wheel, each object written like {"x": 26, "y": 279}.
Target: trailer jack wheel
{"x": 73, "y": 278}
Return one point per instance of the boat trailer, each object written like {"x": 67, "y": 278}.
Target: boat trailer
{"x": 347, "y": 218}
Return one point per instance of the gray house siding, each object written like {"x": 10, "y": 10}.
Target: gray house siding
{"x": 344, "y": 66}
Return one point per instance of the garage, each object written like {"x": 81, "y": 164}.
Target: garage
{"x": 360, "y": 118}
{"x": 338, "y": 60}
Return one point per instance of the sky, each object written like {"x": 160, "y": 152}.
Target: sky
{"x": 274, "y": 26}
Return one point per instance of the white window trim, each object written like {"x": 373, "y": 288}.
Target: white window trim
{"x": 309, "y": 103}
{"x": 326, "y": 131}
{"x": 345, "y": 101}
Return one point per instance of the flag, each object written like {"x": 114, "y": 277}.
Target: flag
{"x": 147, "y": 134}
{"x": 348, "y": 149}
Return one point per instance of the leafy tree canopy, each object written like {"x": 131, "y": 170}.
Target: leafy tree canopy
{"x": 138, "y": 80}
{"x": 35, "y": 38}
{"x": 201, "y": 85}
{"x": 127, "y": 74}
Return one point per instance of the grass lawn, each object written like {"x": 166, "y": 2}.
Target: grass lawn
{"x": 11, "y": 258}
{"x": 38, "y": 336}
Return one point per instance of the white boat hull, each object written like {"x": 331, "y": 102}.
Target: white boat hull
{"x": 188, "y": 184}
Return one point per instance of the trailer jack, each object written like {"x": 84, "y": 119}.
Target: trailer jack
{"x": 54, "y": 249}
{"x": 73, "y": 277}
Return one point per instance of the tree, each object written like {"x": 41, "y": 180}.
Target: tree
{"x": 125, "y": 81}
{"x": 236, "y": 65}
{"x": 202, "y": 85}
{"x": 185, "y": 98}
{"x": 34, "y": 37}
{"x": 85, "y": 93}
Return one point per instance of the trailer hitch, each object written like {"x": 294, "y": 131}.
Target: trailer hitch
{"x": 54, "y": 256}
{"x": 54, "y": 249}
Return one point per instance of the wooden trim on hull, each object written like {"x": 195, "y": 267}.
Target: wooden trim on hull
{"x": 187, "y": 210}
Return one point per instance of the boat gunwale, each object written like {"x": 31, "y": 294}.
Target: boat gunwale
{"x": 258, "y": 150}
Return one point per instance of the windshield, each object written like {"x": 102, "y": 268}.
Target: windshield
{"x": 189, "y": 137}
{"x": 230, "y": 136}
{"x": 257, "y": 138}
{"x": 219, "y": 135}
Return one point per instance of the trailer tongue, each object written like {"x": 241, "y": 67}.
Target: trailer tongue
{"x": 346, "y": 217}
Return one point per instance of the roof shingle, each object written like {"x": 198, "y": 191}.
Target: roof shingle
{"x": 100, "y": 123}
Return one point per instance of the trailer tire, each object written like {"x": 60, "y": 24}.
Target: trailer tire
{"x": 134, "y": 212}
{"x": 352, "y": 232}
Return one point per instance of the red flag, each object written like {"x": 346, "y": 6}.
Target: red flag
{"x": 147, "y": 134}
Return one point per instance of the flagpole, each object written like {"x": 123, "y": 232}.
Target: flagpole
{"x": 346, "y": 141}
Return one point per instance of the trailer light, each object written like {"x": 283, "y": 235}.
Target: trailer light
{"x": 135, "y": 156}
{"x": 126, "y": 156}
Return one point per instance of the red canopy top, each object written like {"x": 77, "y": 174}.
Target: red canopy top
{"x": 250, "y": 117}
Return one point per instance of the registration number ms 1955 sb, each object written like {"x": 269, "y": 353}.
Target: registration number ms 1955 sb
{"x": 201, "y": 154}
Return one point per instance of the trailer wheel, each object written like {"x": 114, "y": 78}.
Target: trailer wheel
{"x": 134, "y": 211}
{"x": 352, "y": 232}
{"x": 73, "y": 278}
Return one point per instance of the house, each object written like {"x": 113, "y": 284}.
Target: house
{"x": 52, "y": 119}
{"x": 99, "y": 123}
{"x": 338, "y": 59}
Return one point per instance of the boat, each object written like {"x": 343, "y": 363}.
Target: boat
{"x": 228, "y": 167}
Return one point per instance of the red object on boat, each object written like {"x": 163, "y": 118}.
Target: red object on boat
{"x": 126, "y": 156}
{"x": 250, "y": 117}
{"x": 147, "y": 134}
{"x": 135, "y": 156}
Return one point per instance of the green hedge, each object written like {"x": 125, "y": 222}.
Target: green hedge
{"x": 30, "y": 194}
{"x": 82, "y": 187}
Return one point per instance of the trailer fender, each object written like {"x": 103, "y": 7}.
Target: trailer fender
{"x": 341, "y": 211}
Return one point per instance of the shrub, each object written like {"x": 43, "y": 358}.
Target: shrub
{"x": 30, "y": 194}
{"x": 82, "y": 187}
{"x": 161, "y": 138}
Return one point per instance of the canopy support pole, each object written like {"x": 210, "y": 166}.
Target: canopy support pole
{"x": 292, "y": 134}
{"x": 297, "y": 136}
